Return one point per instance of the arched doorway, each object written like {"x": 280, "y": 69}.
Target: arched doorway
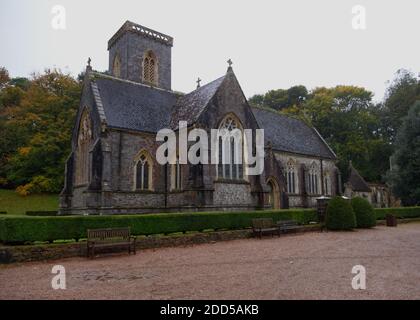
{"x": 274, "y": 195}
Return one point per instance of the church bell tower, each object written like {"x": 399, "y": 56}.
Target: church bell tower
{"x": 142, "y": 55}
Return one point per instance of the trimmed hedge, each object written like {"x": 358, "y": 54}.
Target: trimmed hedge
{"x": 365, "y": 215}
{"x": 41, "y": 213}
{"x": 402, "y": 213}
{"x": 340, "y": 215}
{"x": 27, "y": 229}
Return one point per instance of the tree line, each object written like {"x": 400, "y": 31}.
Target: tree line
{"x": 37, "y": 116}
{"x": 372, "y": 135}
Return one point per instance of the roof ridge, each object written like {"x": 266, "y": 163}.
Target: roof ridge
{"x": 221, "y": 79}
{"x": 98, "y": 102}
{"x": 359, "y": 176}
{"x": 278, "y": 113}
{"x": 110, "y": 77}
{"x": 204, "y": 86}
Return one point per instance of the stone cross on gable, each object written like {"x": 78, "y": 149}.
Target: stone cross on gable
{"x": 198, "y": 82}
{"x": 230, "y": 63}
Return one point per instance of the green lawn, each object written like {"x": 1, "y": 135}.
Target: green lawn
{"x": 13, "y": 203}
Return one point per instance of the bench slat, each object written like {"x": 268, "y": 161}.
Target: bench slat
{"x": 110, "y": 237}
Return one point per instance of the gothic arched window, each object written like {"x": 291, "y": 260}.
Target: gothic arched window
{"x": 327, "y": 183}
{"x": 116, "y": 67}
{"x": 291, "y": 177}
{"x": 230, "y": 150}
{"x": 150, "y": 68}
{"x": 143, "y": 172}
{"x": 84, "y": 140}
{"x": 313, "y": 179}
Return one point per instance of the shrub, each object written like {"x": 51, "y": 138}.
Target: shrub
{"x": 340, "y": 215}
{"x": 402, "y": 213}
{"x": 363, "y": 210}
{"x": 25, "y": 228}
{"x": 41, "y": 213}
{"x": 38, "y": 184}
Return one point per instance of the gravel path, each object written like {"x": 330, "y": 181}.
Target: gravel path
{"x": 303, "y": 266}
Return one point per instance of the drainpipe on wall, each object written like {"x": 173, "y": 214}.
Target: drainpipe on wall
{"x": 322, "y": 178}
{"x": 166, "y": 185}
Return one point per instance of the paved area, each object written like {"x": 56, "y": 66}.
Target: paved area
{"x": 302, "y": 266}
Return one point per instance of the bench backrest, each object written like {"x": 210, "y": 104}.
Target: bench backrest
{"x": 109, "y": 234}
{"x": 262, "y": 223}
{"x": 288, "y": 223}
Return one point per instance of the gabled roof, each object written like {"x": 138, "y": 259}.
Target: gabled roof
{"x": 134, "y": 106}
{"x": 128, "y": 105}
{"x": 291, "y": 135}
{"x": 190, "y": 106}
{"x": 356, "y": 181}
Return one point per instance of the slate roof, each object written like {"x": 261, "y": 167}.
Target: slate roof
{"x": 357, "y": 182}
{"x": 290, "y": 134}
{"x": 190, "y": 106}
{"x": 133, "y": 106}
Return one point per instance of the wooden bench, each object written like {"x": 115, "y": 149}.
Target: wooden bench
{"x": 107, "y": 238}
{"x": 287, "y": 225}
{"x": 264, "y": 225}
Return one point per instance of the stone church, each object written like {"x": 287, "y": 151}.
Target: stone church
{"x": 112, "y": 168}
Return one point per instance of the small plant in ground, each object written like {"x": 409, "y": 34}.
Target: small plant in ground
{"x": 340, "y": 215}
{"x": 365, "y": 215}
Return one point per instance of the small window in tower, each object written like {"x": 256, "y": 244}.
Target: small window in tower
{"x": 150, "y": 73}
{"x": 116, "y": 68}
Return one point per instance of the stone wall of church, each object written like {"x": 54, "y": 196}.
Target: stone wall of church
{"x": 299, "y": 199}
{"x": 137, "y": 199}
{"x": 78, "y": 198}
{"x": 131, "y": 49}
{"x": 232, "y": 194}
{"x": 125, "y": 148}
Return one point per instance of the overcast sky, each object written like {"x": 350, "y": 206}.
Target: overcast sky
{"x": 273, "y": 44}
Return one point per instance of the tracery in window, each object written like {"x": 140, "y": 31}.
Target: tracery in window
{"x": 150, "y": 68}
{"x": 313, "y": 175}
{"x": 82, "y": 153}
{"x": 143, "y": 172}
{"x": 230, "y": 167}
{"x": 291, "y": 177}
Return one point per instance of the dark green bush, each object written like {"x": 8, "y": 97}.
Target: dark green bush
{"x": 402, "y": 213}
{"x": 41, "y": 213}
{"x": 25, "y": 228}
{"x": 340, "y": 215}
{"x": 363, "y": 210}
{"x": 3, "y": 212}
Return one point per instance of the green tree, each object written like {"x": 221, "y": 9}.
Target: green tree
{"x": 346, "y": 117}
{"x": 281, "y": 99}
{"x": 405, "y": 174}
{"x": 4, "y": 76}
{"x": 340, "y": 215}
{"x": 402, "y": 93}
{"x": 35, "y": 133}
{"x": 365, "y": 215}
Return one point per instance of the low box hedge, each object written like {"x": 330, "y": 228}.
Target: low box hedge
{"x": 28, "y": 229}
{"x": 402, "y": 212}
{"x": 41, "y": 213}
